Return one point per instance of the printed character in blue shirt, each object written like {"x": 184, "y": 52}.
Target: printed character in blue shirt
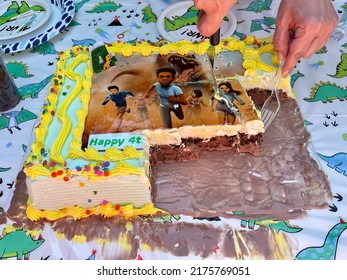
{"x": 119, "y": 99}
{"x": 171, "y": 96}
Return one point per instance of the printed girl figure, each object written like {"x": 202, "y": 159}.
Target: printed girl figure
{"x": 141, "y": 108}
{"x": 194, "y": 104}
{"x": 119, "y": 99}
{"x": 225, "y": 109}
{"x": 171, "y": 96}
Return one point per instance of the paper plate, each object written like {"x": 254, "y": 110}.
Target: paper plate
{"x": 14, "y": 15}
{"x": 178, "y": 22}
{"x": 60, "y": 16}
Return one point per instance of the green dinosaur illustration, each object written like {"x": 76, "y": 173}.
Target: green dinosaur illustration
{"x": 327, "y": 92}
{"x": 18, "y": 69}
{"x": 273, "y": 224}
{"x": 264, "y": 24}
{"x": 148, "y": 15}
{"x": 18, "y": 244}
{"x": 190, "y": 17}
{"x": 99, "y": 56}
{"x": 15, "y": 10}
{"x": 73, "y": 23}
{"x": 322, "y": 50}
{"x": 44, "y": 48}
{"x": 267, "y": 221}
{"x": 32, "y": 90}
{"x": 341, "y": 68}
{"x": 258, "y": 6}
{"x": 167, "y": 218}
{"x": 105, "y": 6}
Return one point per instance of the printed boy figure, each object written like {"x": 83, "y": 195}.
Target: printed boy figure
{"x": 171, "y": 96}
{"x": 119, "y": 99}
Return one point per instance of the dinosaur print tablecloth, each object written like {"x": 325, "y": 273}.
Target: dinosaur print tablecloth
{"x": 320, "y": 86}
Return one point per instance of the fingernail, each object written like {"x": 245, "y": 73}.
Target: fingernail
{"x": 285, "y": 74}
{"x": 280, "y": 56}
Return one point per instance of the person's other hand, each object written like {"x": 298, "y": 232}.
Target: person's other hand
{"x": 302, "y": 28}
{"x": 211, "y": 14}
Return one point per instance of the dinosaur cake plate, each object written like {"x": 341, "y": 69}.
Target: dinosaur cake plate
{"x": 179, "y": 22}
{"x": 43, "y": 26}
{"x": 20, "y": 18}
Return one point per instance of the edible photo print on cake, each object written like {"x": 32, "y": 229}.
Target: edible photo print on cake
{"x": 134, "y": 93}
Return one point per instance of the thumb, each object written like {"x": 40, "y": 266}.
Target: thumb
{"x": 208, "y": 24}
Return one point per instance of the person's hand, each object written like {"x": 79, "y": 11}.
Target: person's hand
{"x": 302, "y": 28}
{"x": 211, "y": 14}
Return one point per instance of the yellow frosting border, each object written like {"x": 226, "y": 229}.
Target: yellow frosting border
{"x": 107, "y": 211}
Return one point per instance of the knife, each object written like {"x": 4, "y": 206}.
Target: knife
{"x": 214, "y": 41}
{"x": 211, "y": 52}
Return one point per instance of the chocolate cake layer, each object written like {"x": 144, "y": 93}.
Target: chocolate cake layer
{"x": 283, "y": 182}
{"x": 191, "y": 148}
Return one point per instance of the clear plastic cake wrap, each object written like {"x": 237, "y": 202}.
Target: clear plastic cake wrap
{"x": 283, "y": 182}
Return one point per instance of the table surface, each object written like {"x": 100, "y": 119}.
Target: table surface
{"x": 321, "y": 232}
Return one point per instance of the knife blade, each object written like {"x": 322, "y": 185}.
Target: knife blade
{"x": 214, "y": 41}
{"x": 211, "y": 52}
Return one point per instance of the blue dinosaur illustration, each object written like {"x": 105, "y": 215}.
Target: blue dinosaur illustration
{"x": 45, "y": 48}
{"x": 328, "y": 250}
{"x": 18, "y": 69}
{"x": 327, "y": 92}
{"x": 258, "y": 6}
{"x": 18, "y": 244}
{"x": 242, "y": 36}
{"x": 12, "y": 119}
{"x": 307, "y": 123}
{"x": 295, "y": 77}
{"x": 84, "y": 42}
{"x": 32, "y": 90}
{"x": 4, "y": 169}
{"x": 78, "y": 5}
{"x": 337, "y": 162}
